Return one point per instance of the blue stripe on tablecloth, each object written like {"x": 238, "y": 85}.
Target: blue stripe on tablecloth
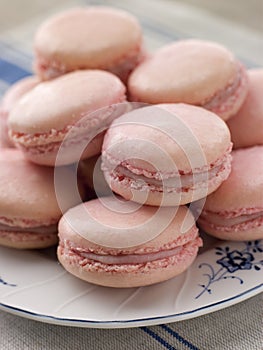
{"x": 156, "y": 337}
{"x": 15, "y": 55}
{"x": 10, "y": 72}
{"x": 178, "y": 337}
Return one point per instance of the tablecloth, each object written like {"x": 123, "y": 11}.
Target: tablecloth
{"x": 237, "y": 327}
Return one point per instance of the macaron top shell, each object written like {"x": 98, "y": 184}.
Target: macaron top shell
{"x": 92, "y": 37}
{"x": 114, "y": 225}
{"x": 244, "y": 187}
{"x": 56, "y": 104}
{"x": 27, "y": 191}
{"x": 16, "y": 91}
{"x": 246, "y": 126}
{"x": 165, "y": 135}
{"x": 190, "y": 71}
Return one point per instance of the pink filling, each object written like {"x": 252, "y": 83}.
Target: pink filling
{"x": 162, "y": 259}
{"x": 140, "y": 179}
{"x": 224, "y": 100}
{"x": 228, "y": 214}
{"x": 41, "y": 229}
{"x": 24, "y": 230}
{"x": 27, "y": 236}
{"x": 232, "y": 223}
{"x": 129, "y": 259}
{"x": 26, "y": 223}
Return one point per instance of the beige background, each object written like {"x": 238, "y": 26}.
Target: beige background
{"x": 246, "y": 12}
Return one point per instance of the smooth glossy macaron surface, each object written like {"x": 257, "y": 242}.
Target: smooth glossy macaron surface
{"x": 59, "y": 103}
{"x": 114, "y": 224}
{"x": 191, "y": 71}
{"x": 87, "y": 38}
{"x": 27, "y": 191}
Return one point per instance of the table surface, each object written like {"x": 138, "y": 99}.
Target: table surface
{"x": 231, "y": 23}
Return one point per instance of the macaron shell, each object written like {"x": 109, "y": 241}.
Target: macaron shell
{"x": 27, "y": 191}
{"x": 112, "y": 225}
{"x": 178, "y": 133}
{"x": 246, "y": 126}
{"x": 17, "y": 90}
{"x": 148, "y": 274}
{"x": 92, "y": 37}
{"x": 11, "y": 97}
{"x": 56, "y": 104}
{"x": 244, "y": 186}
{"x": 190, "y": 71}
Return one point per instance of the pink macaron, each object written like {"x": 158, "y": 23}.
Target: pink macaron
{"x": 246, "y": 127}
{"x": 167, "y": 154}
{"x": 29, "y": 209}
{"x": 115, "y": 243}
{"x": 88, "y": 38}
{"x": 191, "y": 71}
{"x": 11, "y": 97}
{"x": 235, "y": 210}
{"x": 67, "y": 115}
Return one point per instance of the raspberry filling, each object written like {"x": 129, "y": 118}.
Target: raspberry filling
{"x": 232, "y": 222}
{"x": 128, "y": 258}
{"x": 41, "y": 229}
{"x": 170, "y": 182}
{"x": 225, "y": 99}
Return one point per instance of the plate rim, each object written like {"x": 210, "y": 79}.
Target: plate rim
{"x": 148, "y": 321}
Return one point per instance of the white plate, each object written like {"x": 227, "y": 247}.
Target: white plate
{"x": 34, "y": 285}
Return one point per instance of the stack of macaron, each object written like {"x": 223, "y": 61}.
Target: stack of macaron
{"x": 235, "y": 210}
{"x": 148, "y": 136}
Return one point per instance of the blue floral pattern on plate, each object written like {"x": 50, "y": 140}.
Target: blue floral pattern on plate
{"x": 6, "y": 283}
{"x": 231, "y": 262}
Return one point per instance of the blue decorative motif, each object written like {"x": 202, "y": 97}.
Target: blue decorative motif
{"x": 231, "y": 261}
{"x": 7, "y": 284}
